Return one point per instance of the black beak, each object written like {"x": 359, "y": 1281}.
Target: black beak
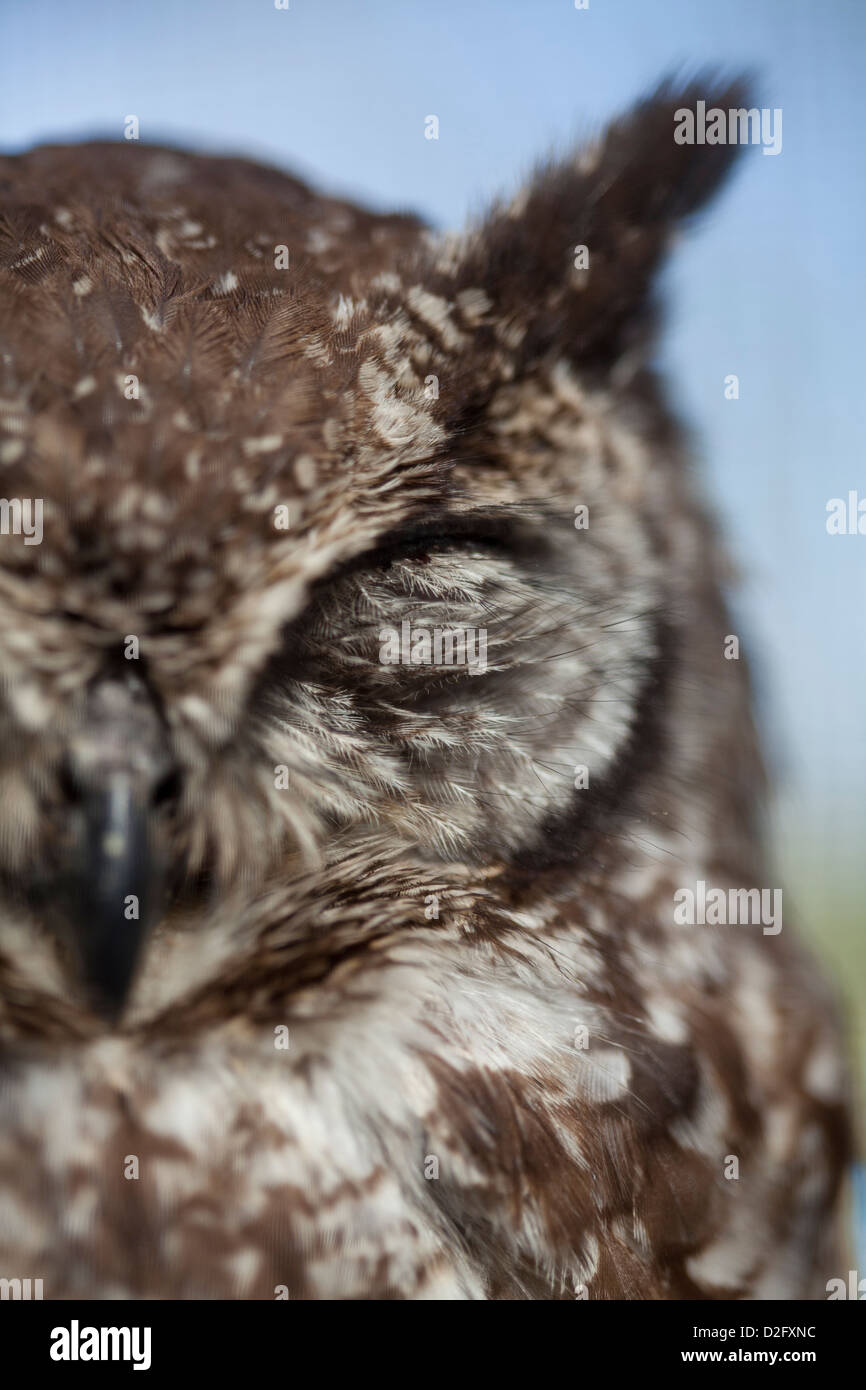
{"x": 119, "y": 890}
{"x": 119, "y": 773}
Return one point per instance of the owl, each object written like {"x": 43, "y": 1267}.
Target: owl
{"x": 383, "y": 908}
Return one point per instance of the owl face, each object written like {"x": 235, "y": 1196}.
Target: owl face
{"x": 348, "y": 535}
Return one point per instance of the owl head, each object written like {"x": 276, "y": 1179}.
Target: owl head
{"x": 328, "y": 543}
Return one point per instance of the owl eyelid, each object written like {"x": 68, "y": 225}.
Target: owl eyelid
{"x": 507, "y": 534}
{"x": 451, "y": 532}
{"x": 439, "y": 541}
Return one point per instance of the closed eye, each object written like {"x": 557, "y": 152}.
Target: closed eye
{"x": 492, "y": 538}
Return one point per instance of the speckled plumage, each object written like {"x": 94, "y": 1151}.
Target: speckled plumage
{"x": 420, "y": 896}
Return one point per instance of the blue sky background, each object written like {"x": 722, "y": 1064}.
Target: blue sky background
{"x": 771, "y": 286}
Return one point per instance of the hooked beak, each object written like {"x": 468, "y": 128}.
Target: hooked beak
{"x": 118, "y": 770}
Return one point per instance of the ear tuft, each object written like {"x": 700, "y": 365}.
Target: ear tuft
{"x": 621, "y": 199}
